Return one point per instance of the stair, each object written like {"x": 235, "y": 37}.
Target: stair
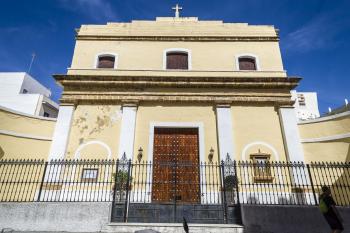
{"x": 172, "y": 228}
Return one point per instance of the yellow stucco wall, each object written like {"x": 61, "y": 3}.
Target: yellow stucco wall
{"x": 136, "y": 49}
{"x": 24, "y": 148}
{"x": 153, "y": 112}
{"x": 254, "y": 128}
{"x": 148, "y": 55}
{"x": 23, "y": 136}
{"x": 22, "y": 123}
{"x": 321, "y": 144}
{"x": 332, "y": 151}
{"x": 95, "y": 132}
{"x": 326, "y": 128}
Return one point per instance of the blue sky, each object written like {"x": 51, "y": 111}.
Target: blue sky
{"x": 315, "y": 34}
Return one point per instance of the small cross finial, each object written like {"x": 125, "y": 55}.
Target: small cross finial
{"x": 177, "y": 9}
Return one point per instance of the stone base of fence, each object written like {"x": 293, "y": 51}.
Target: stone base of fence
{"x": 94, "y": 217}
{"x": 288, "y": 219}
{"x": 55, "y": 217}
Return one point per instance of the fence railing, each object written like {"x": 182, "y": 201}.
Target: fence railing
{"x": 121, "y": 181}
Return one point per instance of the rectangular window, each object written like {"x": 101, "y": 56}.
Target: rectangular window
{"x": 261, "y": 168}
{"x": 106, "y": 62}
{"x": 177, "y": 61}
{"x": 89, "y": 175}
{"x": 301, "y": 99}
{"x": 246, "y": 63}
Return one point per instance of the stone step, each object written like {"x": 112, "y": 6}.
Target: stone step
{"x": 172, "y": 228}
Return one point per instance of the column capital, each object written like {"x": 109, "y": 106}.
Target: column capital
{"x": 68, "y": 104}
{"x": 223, "y": 105}
{"x": 130, "y": 104}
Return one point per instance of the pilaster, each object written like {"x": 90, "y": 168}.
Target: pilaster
{"x": 224, "y": 128}
{"x": 62, "y": 130}
{"x": 127, "y": 131}
{"x": 291, "y": 134}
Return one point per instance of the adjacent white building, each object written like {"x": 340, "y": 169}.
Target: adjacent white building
{"x": 21, "y": 92}
{"x": 306, "y": 105}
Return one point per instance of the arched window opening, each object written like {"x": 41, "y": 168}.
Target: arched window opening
{"x": 106, "y": 61}
{"x": 247, "y": 63}
{"x": 177, "y": 60}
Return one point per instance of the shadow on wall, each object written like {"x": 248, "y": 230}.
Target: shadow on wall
{"x": 288, "y": 219}
{"x": 2, "y": 153}
{"x": 341, "y": 180}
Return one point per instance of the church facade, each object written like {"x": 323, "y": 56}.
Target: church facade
{"x": 219, "y": 86}
{"x": 175, "y": 118}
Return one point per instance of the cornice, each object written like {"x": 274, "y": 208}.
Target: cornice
{"x": 119, "y": 99}
{"x": 100, "y": 89}
{"x": 179, "y": 38}
{"x": 101, "y": 81}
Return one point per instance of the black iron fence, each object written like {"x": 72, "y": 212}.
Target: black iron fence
{"x": 227, "y": 183}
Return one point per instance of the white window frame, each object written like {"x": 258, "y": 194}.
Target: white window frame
{"x": 106, "y": 54}
{"x": 181, "y": 50}
{"x": 248, "y": 55}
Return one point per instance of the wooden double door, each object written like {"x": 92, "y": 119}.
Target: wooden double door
{"x": 176, "y": 165}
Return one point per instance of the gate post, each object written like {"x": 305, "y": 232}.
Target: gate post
{"x": 114, "y": 187}
{"x": 126, "y": 209}
{"x": 238, "y": 212}
{"x": 223, "y": 190}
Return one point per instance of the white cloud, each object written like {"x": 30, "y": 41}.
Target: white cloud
{"x": 95, "y": 9}
{"x": 318, "y": 33}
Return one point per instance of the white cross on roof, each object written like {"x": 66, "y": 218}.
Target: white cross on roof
{"x": 177, "y": 9}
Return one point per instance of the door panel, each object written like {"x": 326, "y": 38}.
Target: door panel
{"x": 176, "y": 165}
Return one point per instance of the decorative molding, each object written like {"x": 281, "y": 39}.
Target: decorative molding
{"x": 209, "y": 73}
{"x": 327, "y": 138}
{"x": 23, "y": 135}
{"x": 91, "y": 82}
{"x": 165, "y": 78}
{"x": 244, "y": 151}
{"x": 104, "y": 145}
{"x": 178, "y": 38}
{"x": 275, "y": 155}
{"x": 111, "y": 89}
{"x": 115, "y": 99}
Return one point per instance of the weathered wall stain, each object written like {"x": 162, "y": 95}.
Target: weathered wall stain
{"x": 90, "y": 124}
{"x": 95, "y": 123}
